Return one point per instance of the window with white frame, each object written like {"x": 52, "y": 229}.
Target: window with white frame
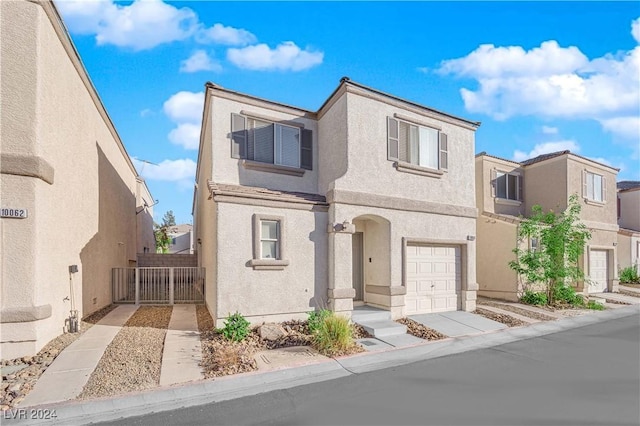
{"x": 271, "y": 142}
{"x": 507, "y": 185}
{"x": 268, "y": 242}
{"x": 269, "y": 238}
{"x": 594, "y": 187}
{"x": 418, "y": 145}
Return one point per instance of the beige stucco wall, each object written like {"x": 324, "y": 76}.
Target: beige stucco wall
{"x": 486, "y": 200}
{"x": 628, "y": 249}
{"x": 369, "y": 170}
{"x": 144, "y": 215}
{"x": 605, "y": 213}
{"x": 333, "y": 160}
{"x": 86, "y": 217}
{"x": 226, "y": 169}
{"x": 545, "y": 184}
{"x": 266, "y": 294}
{"x": 629, "y": 209}
{"x": 495, "y": 244}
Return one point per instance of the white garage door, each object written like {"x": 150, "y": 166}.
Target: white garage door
{"x": 598, "y": 272}
{"x": 433, "y": 279}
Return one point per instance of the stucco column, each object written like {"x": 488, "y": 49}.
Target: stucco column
{"x": 469, "y": 292}
{"x": 341, "y": 291}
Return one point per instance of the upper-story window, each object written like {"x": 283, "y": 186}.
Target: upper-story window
{"x": 418, "y": 145}
{"x": 507, "y": 185}
{"x": 271, "y": 142}
{"x": 594, "y": 187}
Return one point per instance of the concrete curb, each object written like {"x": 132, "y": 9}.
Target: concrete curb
{"x": 208, "y": 391}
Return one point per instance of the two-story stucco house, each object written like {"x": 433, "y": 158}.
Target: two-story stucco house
{"x": 629, "y": 222}
{"x": 507, "y": 190}
{"x": 73, "y": 205}
{"x": 368, "y": 200}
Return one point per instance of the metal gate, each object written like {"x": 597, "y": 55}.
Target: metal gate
{"x": 157, "y": 285}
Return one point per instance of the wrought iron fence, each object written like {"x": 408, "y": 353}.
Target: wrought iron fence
{"x": 157, "y": 285}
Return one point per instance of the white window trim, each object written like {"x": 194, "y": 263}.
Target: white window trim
{"x": 508, "y": 201}
{"x": 404, "y": 166}
{"x": 258, "y": 263}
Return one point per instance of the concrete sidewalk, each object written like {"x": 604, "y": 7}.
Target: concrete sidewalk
{"x": 458, "y": 323}
{"x": 69, "y": 372}
{"x": 232, "y": 387}
{"x": 182, "y": 349}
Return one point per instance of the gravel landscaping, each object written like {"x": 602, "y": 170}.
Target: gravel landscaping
{"x": 501, "y": 318}
{"x": 422, "y": 331}
{"x": 222, "y": 357}
{"x": 20, "y": 375}
{"x": 517, "y": 310}
{"x": 628, "y": 293}
{"x": 133, "y": 359}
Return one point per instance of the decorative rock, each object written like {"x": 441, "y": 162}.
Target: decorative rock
{"x": 271, "y": 331}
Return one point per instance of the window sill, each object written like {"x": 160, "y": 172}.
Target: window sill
{"x": 417, "y": 170}
{"x": 508, "y": 202}
{"x": 268, "y": 264}
{"x": 272, "y": 168}
{"x": 594, "y": 203}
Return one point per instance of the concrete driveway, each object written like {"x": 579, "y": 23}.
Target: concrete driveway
{"x": 457, "y": 323}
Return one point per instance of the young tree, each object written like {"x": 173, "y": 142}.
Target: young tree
{"x": 169, "y": 219}
{"x": 561, "y": 241}
{"x": 161, "y": 231}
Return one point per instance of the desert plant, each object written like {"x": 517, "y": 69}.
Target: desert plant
{"x": 236, "y": 327}
{"x": 316, "y": 318}
{"x": 594, "y": 305}
{"x": 534, "y": 298}
{"x": 629, "y": 275}
{"x": 567, "y": 294}
{"x": 334, "y": 335}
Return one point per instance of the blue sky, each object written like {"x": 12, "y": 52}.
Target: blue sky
{"x": 541, "y": 76}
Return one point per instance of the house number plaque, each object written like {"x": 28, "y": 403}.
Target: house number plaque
{"x": 13, "y": 213}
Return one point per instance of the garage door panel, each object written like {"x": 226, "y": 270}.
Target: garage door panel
{"x": 433, "y": 279}
{"x": 598, "y": 271}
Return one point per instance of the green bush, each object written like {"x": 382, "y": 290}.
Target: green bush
{"x": 236, "y": 327}
{"x": 532, "y": 298}
{"x": 334, "y": 335}
{"x": 316, "y": 318}
{"x": 567, "y": 294}
{"x": 629, "y": 275}
{"x": 595, "y": 305}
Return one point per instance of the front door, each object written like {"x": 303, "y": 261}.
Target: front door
{"x": 357, "y": 268}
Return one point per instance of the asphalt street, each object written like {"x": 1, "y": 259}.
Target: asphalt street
{"x": 583, "y": 376}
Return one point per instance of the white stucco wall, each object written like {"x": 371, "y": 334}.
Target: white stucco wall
{"x": 86, "y": 217}
{"x": 263, "y": 295}
{"x": 226, "y": 169}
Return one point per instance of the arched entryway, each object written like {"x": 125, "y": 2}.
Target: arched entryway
{"x": 371, "y": 253}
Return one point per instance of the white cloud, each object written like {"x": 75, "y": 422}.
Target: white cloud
{"x": 553, "y": 82}
{"x": 199, "y": 61}
{"x": 140, "y": 25}
{"x": 635, "y": 29}
{"x": 230, "y": 36}
{"x": 146, "y": 113}
{"x": 548, "y": 130}
{"x": 185, "y": 107}
{"x": 286, "y": 56}
{"x": 168, "y": 170}
{"x": 546, "y": 148}
{"x": 628, "y": 127}
{"x": 187, "y": 135}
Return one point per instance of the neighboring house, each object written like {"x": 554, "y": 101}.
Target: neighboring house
{"x": 629, "y": 221}
{"x": 181, "y": 239}
{"x": 507, "y": 190}
{"x": 72, "y": 202}
{"x": 370, "y": 200}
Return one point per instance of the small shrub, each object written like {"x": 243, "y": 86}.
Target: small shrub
{"x": 595, "y": 305}
{"x": 629, "y": 275}
{"x": 334, "y": 336}
{"x": 236, "y": 327}
{"x": 567, "y": 294}
{"x": 316, "y": 318}
{"x": 532, "y": 298}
